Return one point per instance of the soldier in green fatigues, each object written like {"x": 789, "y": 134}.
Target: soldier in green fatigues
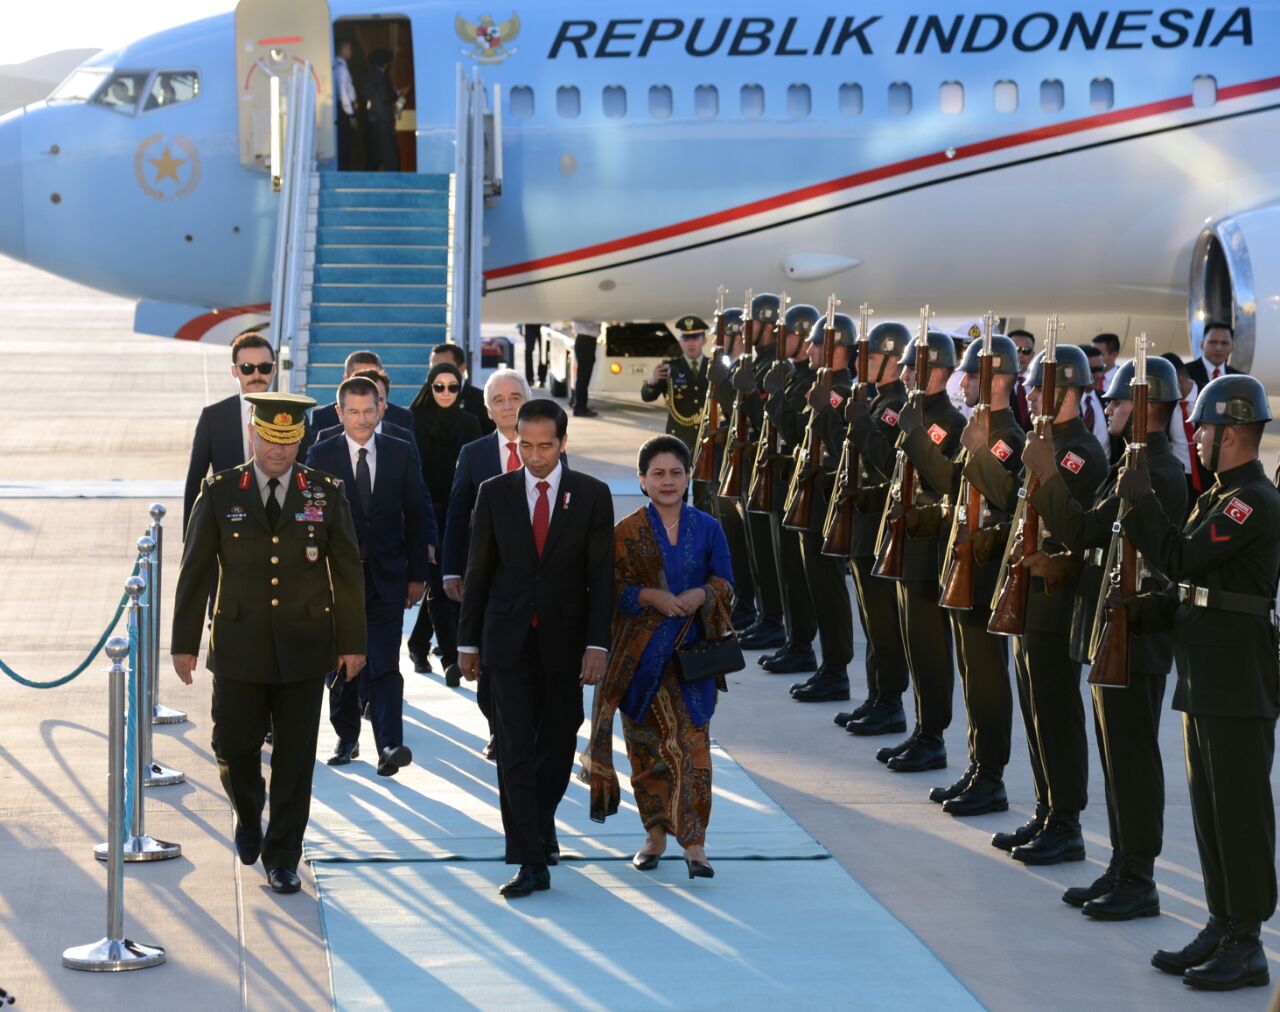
{"x": 992, "y": 444}
{"x": 1225, "y": 561}
{"x": 1048, "y": 679}
{"x": 872, "y": 415}
{"x": 930, "y": 437}
{"x": 682, "y": 380}
{"x": 289, "y": 611}
{"x": 1126, "y": 720}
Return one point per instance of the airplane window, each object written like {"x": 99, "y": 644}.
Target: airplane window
{"x": 1051, "y": 95}
{"x": 850, "y": 99}
{"x": 660, "y": 101}
{"x": 123, "y": 90}
{"x": 79, "y": 87}
{"x": 1204, "y": 91}
{"x": 521, "y": 98}
{"x": 799, "y": 101}
{"x": 615, "y": 101}
{"x": 171, "y": 87}
{"x": 951, "y": 98}
{"x": 568, "y": 101}
{"x": 706, "y": 101}
{"x": 899, "y": 98}
{"x": 1006, "y": 96}
{"x": 752, "y": 100}
{"x": 1102, "y": 94}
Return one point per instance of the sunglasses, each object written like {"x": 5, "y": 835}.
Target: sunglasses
{"x": 247, "y": 368}
{"x": 441, "y": 388}
{"x": 1024, "y": 351}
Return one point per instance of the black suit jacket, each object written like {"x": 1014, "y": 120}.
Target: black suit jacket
{"x": 1197, "y": 371}
{"x": 325, "y": 416}
{"x": 394, "y": 534}
{"x": 570, "y": 587}
{"x": 218, "y": 445}
{"x": 389, "y": 428}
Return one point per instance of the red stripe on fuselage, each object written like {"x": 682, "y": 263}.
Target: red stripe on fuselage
{"x": 880, "y": 173}
{"x": 194, "y": 330}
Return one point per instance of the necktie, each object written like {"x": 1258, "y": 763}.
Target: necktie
{"x": 1024, "y": 412}
{"x": 541, "y": 517}
{"x": 1216, "y": 372}
{"x": 513, "y": 458}
{"x": 1197, "y": 482}
{"x": 364, "y": 481}
{"x": 272, "y": 505}
{"x": 1088, "y": 413}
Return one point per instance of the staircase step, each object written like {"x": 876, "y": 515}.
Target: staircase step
{"x": 371, "y": 335}
{"x": 380, "y": 274}
{"x": 382, "y": 314}
{"x": 416, "y": 356}
{"x": 383, "y": 181}
{"x": 382, "y": 256}
{"x": 403, "y": 377}
{"x": 384, "y": 198}
{"x": 416, "y": 295}
{"x": 345, "y": 235}
{"x": 384, "y": 217}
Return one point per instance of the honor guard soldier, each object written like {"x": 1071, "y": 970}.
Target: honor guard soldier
{"x": 992, "y": 446}
{"x": 930, "y": 438}
{"x": 290, "y": 610}
{"x": 873, "y": 429}
{"x": 1224, "y": 562}
{"x": 1048, "y": 679}
{"x": 683, "y": 382}
{"x": 786, "y": 387}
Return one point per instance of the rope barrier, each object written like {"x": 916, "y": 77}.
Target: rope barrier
{"x": 80, "y": 669}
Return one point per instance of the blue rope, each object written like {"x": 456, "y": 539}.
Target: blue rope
{"x": 131, "y": 731}
{"x": 97, "y": 648}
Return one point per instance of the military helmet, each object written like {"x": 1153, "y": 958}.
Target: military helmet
{"x": 888, "y": 339}
{"x": 1234, "y": 399}
{"x": 690, "y": 325}
{"x": 1162, "y": 382}
{"x": 766, "y": 308}
{"x": 846, "y": 330}
{"x": 732, "y": 320}
{"x": 942, "y": 351}
{"x": 1004, "y": 356}
{"x": 801, "y": 318}
{"x": 1072, "y": 368}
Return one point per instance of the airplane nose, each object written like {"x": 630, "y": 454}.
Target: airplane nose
{"x": 12, "y": 238}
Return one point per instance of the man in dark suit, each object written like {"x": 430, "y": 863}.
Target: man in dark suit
{"x": 1215, "y": 349}
{"x": 472, "y": 398}
{"x": 536, "y": 609}
{"x": 393, "y": 420}
{"x": 380, "y": 103}
{"x": 326, "y": 416}
{"x": 396, "y": 531}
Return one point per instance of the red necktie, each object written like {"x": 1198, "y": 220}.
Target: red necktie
{"x": 1088, "y": 413}
{"x": 513, "y": 458}
{"x": 541, "y": 523}
{"x": 1216, "y": 372}
{"x": 1024, "y": 412}
{"x": 1189, "y": 429}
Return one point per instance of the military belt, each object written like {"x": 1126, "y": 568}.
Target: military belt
{"x": 1224, "y": 600}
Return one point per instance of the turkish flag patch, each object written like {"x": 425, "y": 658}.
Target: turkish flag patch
{"x": 1002, "y": 449}
{"x": 1073, "y": 463}
{"x": 836, "y": 399}
{"x": 1237, "y": 510}
{"x": 890, "y": 417}
{"x": 937, "y": 433}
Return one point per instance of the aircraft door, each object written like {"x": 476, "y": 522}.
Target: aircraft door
{"x": 271, "y": 37}
{"x": 385, "y": 137}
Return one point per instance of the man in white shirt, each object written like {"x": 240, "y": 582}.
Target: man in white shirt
{"x": 1091, "y": 410}
{"x": 1108, "y": 346}
{"x": 345, "y": 92}
{"x": 1215, "y": 350}
{"x": 1181, "y": 432}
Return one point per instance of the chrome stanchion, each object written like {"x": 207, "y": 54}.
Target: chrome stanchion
{"x": 160, "y": 714}
{"x": 138, "y": 846}
{"x": 115, "y": 952}
{"x": 154, "y": 774}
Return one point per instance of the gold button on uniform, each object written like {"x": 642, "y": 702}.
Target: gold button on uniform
{"x": 274, "y": 603}
{"x": 275, "y": 560}
{"x": 235, "y": 534}
{"x": 275, "y": 580}
{"x": 275, "y": 539}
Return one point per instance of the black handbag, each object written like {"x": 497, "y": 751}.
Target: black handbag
{"x": 707, "y": 658}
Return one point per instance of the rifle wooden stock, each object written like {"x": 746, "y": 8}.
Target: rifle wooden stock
{"x": 893, "y": 538}
{"x": 760, "y": 497}
{"x": 704, "y": 454}
{"x": 803, "y": 491}
{"x": 837, "y": 529}
{"x": 733, "y": 469}
{"x": 1009, "y": 612}
{"x": 958, "y": 574}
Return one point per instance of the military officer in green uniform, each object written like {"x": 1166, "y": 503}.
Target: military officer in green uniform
{"x": 289, "y": 611}
{"x": 1126, "y": 720}
{"x": 1224, "y": 562}
{"x": 683, "y": 382}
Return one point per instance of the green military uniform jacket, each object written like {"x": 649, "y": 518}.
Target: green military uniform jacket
{"x": 793, "y": 426}
{"x": 876, "y": 439}
{"x": 1231, "y": 543}
{"x": 931, "y": 450}
{"x": 688, "y": 393}
{"x": 290, "y": 600}
{"x": 789, "y": 403}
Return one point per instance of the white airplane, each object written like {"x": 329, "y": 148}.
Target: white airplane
{"x": 1112, "y": 163}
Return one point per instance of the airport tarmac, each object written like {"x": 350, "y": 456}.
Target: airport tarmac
{"x": 96, "y": 403}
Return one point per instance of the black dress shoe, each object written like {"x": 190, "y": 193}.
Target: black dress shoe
{"x": 927, "y": 752}
{"x": 529, "y": 879}
{"x": 699, "y": 869}
{"x": 393, "y": 759}
{"x": 889, "y": 751}
{"x": 645, "y": 862}
{"x": 453, "y": 676}
{"x": 1197, "y": 951}
{"x": 766, "y": 633}
{"x": 790, "y": 661}
{"x": 984, "y": 794}
{"x": 284, "y": 880}
{"x": 1025, "y": 833}
{"x": 886, "y": 716}
{"x": 940, "y": 794}
{"x": 1058, "y": 842}
{"x": 1078, "y": 896}
{"x": 826, "y": 686}
{"x": 585, "y": 413}
{"x": 248, "y": 843}
{"x": 857, "y": 713}
{"x": 1237, "y": 962}
{"x": 490, "y": 750}
{"x": 343, "y": 753}
{"x": 421, "y": 663}
{"x": 742, "y": 619}
{"x": 1132, "y": 897}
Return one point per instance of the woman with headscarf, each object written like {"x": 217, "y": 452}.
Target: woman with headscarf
{"x": 442, "y": 429}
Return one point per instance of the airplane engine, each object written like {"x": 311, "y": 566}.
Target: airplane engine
{"x": 1235, "y": 276}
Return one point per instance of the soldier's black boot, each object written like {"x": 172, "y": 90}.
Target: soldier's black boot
{"x": 1204, "y": 945}
{"x": 790, "y": 660}
{"x": 743, "y": 617}
{"x": 857, "y": 713}
{"x": 889, "y": 751}
{"x": 1134, "y": 894}
{"x": 941, "y": 794}
{"x": 828, "y": 685}
{"x": 927, "y": 752}
{"x": 1237, "y": 962}
{"x": 1078, "y": 896}
{"x": 984, "y": 794}
{"x": 885, "y": 717}
{"x": 766, "y": 633}
{"x": 1025, "y": 833}
{"x": 1059, "y": 841}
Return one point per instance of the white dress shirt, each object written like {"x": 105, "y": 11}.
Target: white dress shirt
{"x": 354, "y": 448}
{"x": 264, "y": 488}
{"x": 343, "y": 88}
{"x": 1099, "y": 418}
{"x": 246, "y": 418}
{"x": 1209, "y": 367}
{"x": 1178, "y": 428}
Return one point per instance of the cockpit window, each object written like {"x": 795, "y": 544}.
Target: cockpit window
{"x": 79, "y": 87}
{"x": 171, "y": 87}
{"x": 123, "y": 90}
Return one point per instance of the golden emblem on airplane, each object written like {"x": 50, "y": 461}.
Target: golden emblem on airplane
{"x": 166, "y": 167}
{"x": 488, "y": 40}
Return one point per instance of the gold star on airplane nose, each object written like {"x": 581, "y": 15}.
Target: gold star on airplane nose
{"x": 167, "y": 166}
